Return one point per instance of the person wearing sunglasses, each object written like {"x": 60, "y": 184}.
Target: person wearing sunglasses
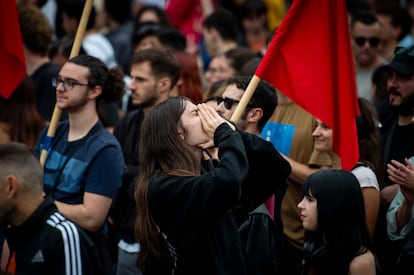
{"x": 259, "y": 109}
{"x": 366, "y": 45}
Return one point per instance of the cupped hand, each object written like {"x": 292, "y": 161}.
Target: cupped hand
{"x": 210, "y": 120}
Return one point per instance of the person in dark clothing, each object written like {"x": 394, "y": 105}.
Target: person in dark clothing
{"x": 396, "y": 144}
{"x": 40, "y": 238}
{"x": 154, "y": 72}
{"x": 184, "y": 221}
{"x": 37, "y": 38}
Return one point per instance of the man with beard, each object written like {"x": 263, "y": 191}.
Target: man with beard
{"x": 397, "y": 145}
{"x": 154, "y": 73}
{"x": 398, "y": 133}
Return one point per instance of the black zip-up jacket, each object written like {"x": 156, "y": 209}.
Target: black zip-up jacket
{"x": 194, "y": 213}
{"x": 48, "y": 243}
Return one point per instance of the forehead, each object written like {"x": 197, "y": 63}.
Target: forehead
{"x": 369, "y": 30}
{"x": 189, "y": 107}
{"x": 149, "y": 16}
{"x": 233, "y": 92}
{"x": 71, "y": 70}
{"x": 219, "y": 61}
{"x": 151, "y": 41}
{"x": 141, "y": 69}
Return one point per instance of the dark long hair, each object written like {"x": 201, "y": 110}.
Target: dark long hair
{"x": 20, "y": 114}
{"x": 369, "y": 137}
{"x": 161, "y": 152}
{"x": 341, "y": 234}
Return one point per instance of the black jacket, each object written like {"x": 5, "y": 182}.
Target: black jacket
{"x": 193, "y": 213}
{"x": 48, "y": 243}
{"x": 123, "y": 213}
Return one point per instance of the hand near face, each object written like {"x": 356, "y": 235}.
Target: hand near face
{"x": 210, "y": 120}
{"x": 403, "y": 175}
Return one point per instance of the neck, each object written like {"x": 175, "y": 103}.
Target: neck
{"x": 282, "y": 99}
{"x": 336, "y": 160}
{"x": 404, "y": 120}
{"x": 33, "y": 62}
{"x": 81, "y": 122}
{"x": 163, "y": 96}
{"x": 25, "y": 208}
{"x": 377, "y": 62}
{"x": 252, "y": 129}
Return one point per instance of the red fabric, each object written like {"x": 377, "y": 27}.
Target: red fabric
{"x": 270, "y": 205}
{"x": 12, "y": 62}
{"x": 310, "y": 60}
{"x": 187, "y": 16}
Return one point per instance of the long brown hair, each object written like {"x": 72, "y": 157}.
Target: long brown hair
{"x": 161, "y": 152}
{"x": 369, "y": 137}
{"x": 20, "y": 114}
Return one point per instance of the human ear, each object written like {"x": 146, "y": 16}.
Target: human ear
{"x": 95, "y": 92}
{"x": 181, "y": 133}
{"x": 164, "y": 84}
{"x": 10, "y": 185}
{"x": 256, "y": 114}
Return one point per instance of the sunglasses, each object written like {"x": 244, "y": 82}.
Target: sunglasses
{"x": 373, "y": 41}
{"x": 228, "y": 102}
{"x": 402, "y": 50}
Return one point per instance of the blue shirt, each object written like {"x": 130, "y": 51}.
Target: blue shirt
{"x": 96, "y": 166}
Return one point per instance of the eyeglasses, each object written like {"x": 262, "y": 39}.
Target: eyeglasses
{"x": 373, "y": 41}
{"x": 402, "y": 50}
{"x": 68, "y": 84}
{"x": 228, "y": 102}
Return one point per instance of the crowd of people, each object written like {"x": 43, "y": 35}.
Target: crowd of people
{"x": 148, "y": 174}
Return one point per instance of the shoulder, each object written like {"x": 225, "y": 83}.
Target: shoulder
{"x": 130, "y": 117}
{"x": 363, "y": 264}
{"x": 103, "y": 139}
{"x": 366, "y": 176}
{"x": 47, "y": 69}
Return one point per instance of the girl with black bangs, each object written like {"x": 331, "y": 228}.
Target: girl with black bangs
{"x": 333, "y": 215}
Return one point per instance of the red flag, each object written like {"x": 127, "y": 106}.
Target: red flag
{"x": 310, "y": 60}
{"x": 12, "y": 62}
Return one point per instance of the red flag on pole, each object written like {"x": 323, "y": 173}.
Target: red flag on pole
{"x": 310, "y": 60}
{"x": 12, "y": 62}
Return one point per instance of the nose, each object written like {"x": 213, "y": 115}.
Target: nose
{"x": 392, "y": 81}
{"x": 132, "y": 85}
{"x": 300, "y": 204}
{"x": 316, "y": 132}
{"x": 60, "y": 87}
{"x": 220, "y": 108}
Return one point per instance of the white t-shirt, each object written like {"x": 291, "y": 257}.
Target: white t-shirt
{"x": 366, "y": 177}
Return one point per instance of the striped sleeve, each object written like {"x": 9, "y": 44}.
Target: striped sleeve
{"x": 71, "y": 243}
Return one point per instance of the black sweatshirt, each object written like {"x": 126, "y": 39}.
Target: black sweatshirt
{"x": 193, "y": 213}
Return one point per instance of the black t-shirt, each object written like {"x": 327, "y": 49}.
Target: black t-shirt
{"x": 401, "y": 146}
{"x": 45, "y": 92}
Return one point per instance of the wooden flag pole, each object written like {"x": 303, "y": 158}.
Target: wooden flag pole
{"x": 74, "y": 52}
{"x": 244, "y": 101}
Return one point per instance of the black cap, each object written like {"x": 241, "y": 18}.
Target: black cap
{"x": 403, "y": 61}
